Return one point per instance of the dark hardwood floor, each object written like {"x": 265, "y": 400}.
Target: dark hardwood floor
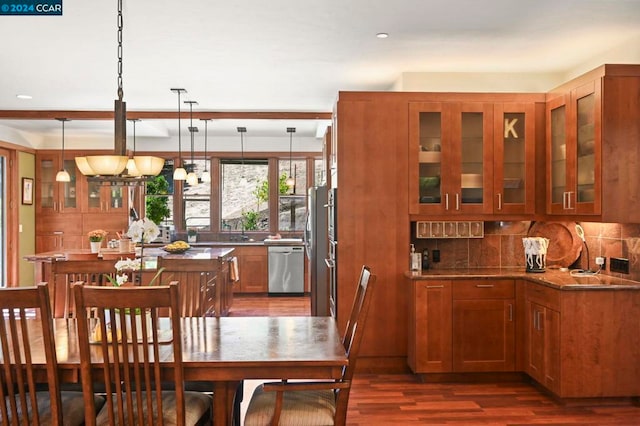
{"x": 402, "y": 399}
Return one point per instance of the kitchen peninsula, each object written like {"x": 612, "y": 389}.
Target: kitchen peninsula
{"x": 204, "y": 274}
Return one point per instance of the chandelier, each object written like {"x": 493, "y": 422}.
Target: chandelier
{"x": 113, "y": 168}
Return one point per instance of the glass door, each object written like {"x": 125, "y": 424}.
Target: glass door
{"x": 514, "y": 151}
{"x": 558, "y": 156}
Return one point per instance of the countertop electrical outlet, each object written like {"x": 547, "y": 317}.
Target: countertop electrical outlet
{"x": 618, "y": 264}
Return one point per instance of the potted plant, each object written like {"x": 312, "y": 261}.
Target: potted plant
{"x": 95, "y": 239}
{"x": 192, "y": 235}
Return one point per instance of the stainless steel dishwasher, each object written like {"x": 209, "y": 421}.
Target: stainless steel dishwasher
{"x": 286, "y": 270}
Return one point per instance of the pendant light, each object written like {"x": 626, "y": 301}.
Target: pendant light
{"x": 291, "y": 181}
{"x": 192, "y": 177}
{"x": 62, "y": 175}
{"x": 206, "y": 176}
{"x": 179, "y": 173}
{"x": 242, "y": 131}
{"x": 110, "y": 168}
{"x": 132, "y": 170}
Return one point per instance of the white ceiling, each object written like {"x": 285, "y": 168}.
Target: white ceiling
{"x": 285, "y": 55}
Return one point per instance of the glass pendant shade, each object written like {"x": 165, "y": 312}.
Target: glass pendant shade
{"x": 132, "y": 170}
{"x": 83, "y": 166}
{"x": 107, "y": 165}
{"x": 206, "y": 176}
{"x": 148, "y": 165}
{"x": 192, "y": 178}
{"x": 180, "y": 174}
{"x": 290, "y": 182}
{"x": 63, "y": 176}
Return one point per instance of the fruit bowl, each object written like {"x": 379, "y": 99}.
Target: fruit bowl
{"x": 176, "y": 247}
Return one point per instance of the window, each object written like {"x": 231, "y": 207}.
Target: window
{"x": 196, "y": 200}
{"x": 292, "y": 200}
{"x": 159, "y": 196}
{"x": 244, "y": 188}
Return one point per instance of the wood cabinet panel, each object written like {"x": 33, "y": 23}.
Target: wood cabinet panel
{"x": 484, "y": 329}
{"x": 253, "y": 269}
{"x": 483, "y": 289}
{"x": 430, "y": 327}
{"x": 591, "y": 126}
{"x": 543, "y": 345}
{"x": 483, "y": 335}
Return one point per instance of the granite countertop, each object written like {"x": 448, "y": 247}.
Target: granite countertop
{"x": 193, "y": 253}
{"x": 555, "y": 278}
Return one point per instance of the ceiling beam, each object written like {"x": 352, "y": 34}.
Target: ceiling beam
{"x": 108, "y": 115}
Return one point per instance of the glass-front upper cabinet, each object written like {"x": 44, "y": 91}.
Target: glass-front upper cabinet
{"x": 103, "y": 197}
{"x": 52, "y": 196}
{"x": 573, "y": 142}
{"x": 450, "y": 162}
{"x": 514, "y": 158}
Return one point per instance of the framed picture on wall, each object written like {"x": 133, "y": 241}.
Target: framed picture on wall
{"x": 27, "y": 191}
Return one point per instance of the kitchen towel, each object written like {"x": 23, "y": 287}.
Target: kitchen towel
{"x": 233, "y": 269}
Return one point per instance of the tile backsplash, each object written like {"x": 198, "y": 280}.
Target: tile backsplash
{"x": 502, "y": 247}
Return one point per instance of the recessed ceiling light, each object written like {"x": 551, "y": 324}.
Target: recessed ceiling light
{"x": 382, "y": 35}
{"x": 24, "y": 96}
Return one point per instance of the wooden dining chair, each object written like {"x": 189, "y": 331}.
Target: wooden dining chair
{"x": 21, "y": 400}
{"x": 197, "y": 280}
{"x": 65, "y": 272}
{"x": 316, "y": 403}
{"x": 124, "y": 343}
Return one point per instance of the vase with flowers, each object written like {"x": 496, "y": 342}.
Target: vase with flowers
{"x": 95, "y": 239}
{"x": 124, "y": 268}
{"x": 143, "y": 231}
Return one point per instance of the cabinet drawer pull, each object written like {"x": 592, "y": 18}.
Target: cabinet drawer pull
{"x": 434, "y": 286}
{"x": 446, "y": 201}
{"x": 457, "y": 201}
{"x": 484, "y": 285}
{"x": 499, "y": 201}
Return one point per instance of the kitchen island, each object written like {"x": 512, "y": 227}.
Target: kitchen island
{"x": 203, "y": 273}
{"x": 578, "y": 336}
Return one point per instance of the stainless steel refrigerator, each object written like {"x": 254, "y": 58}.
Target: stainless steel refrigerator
{"x": 316, "y": 243}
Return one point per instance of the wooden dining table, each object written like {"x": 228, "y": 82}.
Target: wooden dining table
{"x": 227, "y": 350}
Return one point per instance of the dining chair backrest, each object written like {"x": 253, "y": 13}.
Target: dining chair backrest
{"x": 197, "y": 280}
{"x": 317, "y": 402}
{"x": 21, "y": 309}
{"x": 352, "y": 338}
{"x": 65, "y": 272}
{"x": 124, "y": 342}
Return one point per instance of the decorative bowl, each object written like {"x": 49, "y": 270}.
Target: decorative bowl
{"x": 429, "y": 181}
{"x": 176, "y": 247}
{"x": 175, "y": 250}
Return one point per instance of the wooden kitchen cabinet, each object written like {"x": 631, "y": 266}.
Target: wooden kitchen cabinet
{"x": 484, "y": 325}
{"x": 430, "y": 327}
{"x": 592, "y": 140}
{"x": 53, "y": 197}
{"x": 582, "y": 343}
{"x": 106, "y": 198}
{"x": 543, "y": 351}
{"x": 514, "y": 155}
{"x": 451, "y": 146}
{"x": 252, "y": 268}
{"x": 542, "y": 338}
{"x": 574, "y": 151}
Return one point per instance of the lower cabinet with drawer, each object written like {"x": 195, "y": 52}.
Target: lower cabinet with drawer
{"x": 483, "y": 325}
{"x": 462, "y": 326}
